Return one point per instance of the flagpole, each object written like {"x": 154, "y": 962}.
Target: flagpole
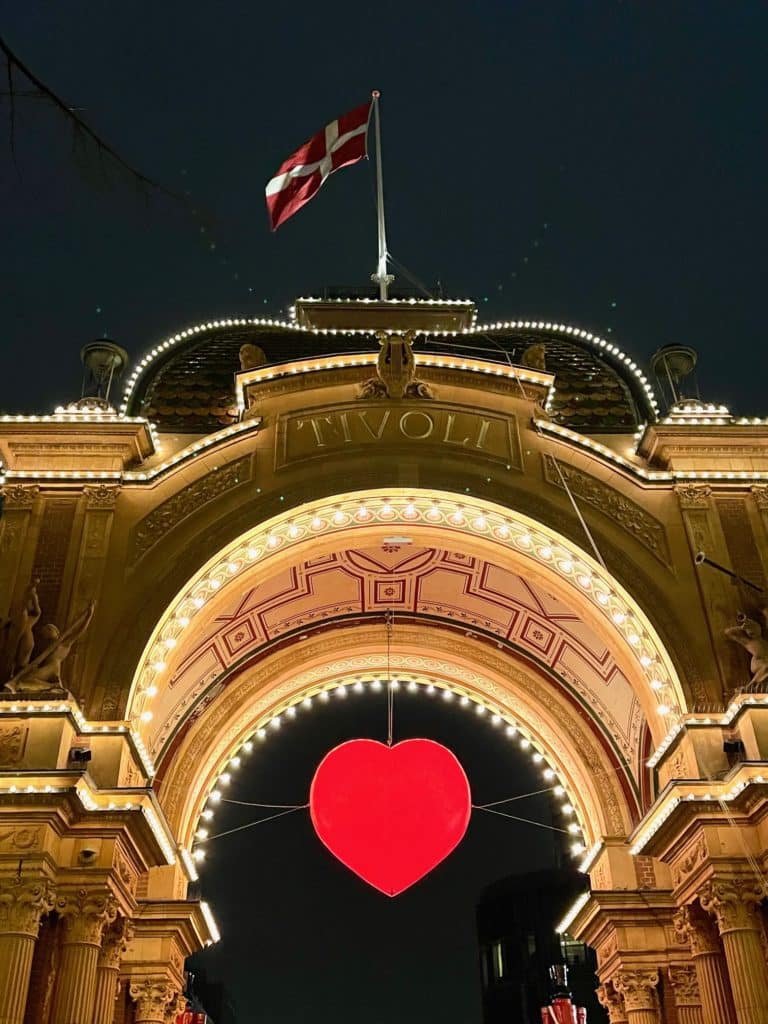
{"x": 381, "y": 275}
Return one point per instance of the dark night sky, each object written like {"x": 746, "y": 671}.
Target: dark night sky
{"x": 601, "y": 163}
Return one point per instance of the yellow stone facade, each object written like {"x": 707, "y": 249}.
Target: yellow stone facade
{"x": 107, "y": 783}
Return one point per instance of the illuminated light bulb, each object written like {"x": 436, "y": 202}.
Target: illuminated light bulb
{"x": 158, "y": 666}
{"x": 386, "y": 510}
{"x": 235, "y": 762}
{"x": 618, "y": 617}
{"x": 663, "y": 709}
{"x": 170, "y": 642}
{"x": 566, "y": 565}
{"x": 525, "y": 540}
{"x": 645, "y": 661}
{"x": 316, "y": 523}
{"x": 434, "y": 512}
{"x": 430, "y": 689}
{"x": 341, "y": 691}
{"x": 339, "y": 517}
{"x": 583, "y": 580}
{"x": 548, "y": 774}
{"x": 634, "y": 639}
{"x": 324, "y": 696}
{"x": 464, "y": 701}
{"x": 567, "y": 809}
{"x": 545, "y": 552}
{"x": 152, "y": 690}
{"x": 480, "y": 709}
{"x": 511, "y": 730}
{"x": 198, "y": 854}
{"x": 307, "y": 702}
{"x": 577, "y": 848}
{"x": 272, "y": 541}
{"x": 413, "y": 686}
{"x": 524, "y": 743}
{"x": 538, "y": 758}
{"x": 447, "y": 694}
{"x": 233, "y": 567}
{"x": 252, "y": 553}
{"x": 291, "y": 711}
{"x": 503, "y": 532}
{"x": 198, "y": 602}
{"x": 261, "y": 734}
{"x": 457, "y": 517}
{"x": 410, "y": 509}
{"x": 480, "y": 523}
{"x": 276, "y": 723}
{"x": 656, "y": 684}
{"x": 363, "y": 513}
{"x": 215, "y": 584}
{"x": 202, "y": 833}
{"x": 559, "y": 791}
{"x": 225, "y": 778}
{"x": 574, "y": 829}
{"x": 146, "y": 716}
{"x": 248, "y": 746}
{"x": 215, "y": 796}
{"x": 293, "y": 531}
{"x": 376, "y": 685}
{"x": 183, "y": 621}
{"x": 496, "y": 719}
{"x": 603, "y": 598}
{"x": 358, "y": 687}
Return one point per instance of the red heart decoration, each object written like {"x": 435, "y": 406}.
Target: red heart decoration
{"x": 390, "y": 814}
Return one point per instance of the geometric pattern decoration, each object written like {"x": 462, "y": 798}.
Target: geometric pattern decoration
{"x": 416, "y": 581}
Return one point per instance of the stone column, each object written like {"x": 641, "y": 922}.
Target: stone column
{"x": 638, "y": 986}
{"x": 152, "y": 996}
{"x": 696, "y": 928}
{"x": 22, "y": 904}
{"x": 685, "y": 989}
{"x": 115, "y": 941}
{"x": 734, "y": 903}
{"x": 612, "y": 1002}
{"x": 84, "y": 915}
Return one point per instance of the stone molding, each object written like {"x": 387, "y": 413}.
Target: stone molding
{"x": 733, "y": 903}
{"x": 638, "y": 986}
{"x": 23, "y": 903}
{"x": 85, "y": 913}
{"x": 685, "y": 984}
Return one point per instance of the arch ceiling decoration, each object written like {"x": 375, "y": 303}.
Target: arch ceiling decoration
{"x": 437, "y": 520}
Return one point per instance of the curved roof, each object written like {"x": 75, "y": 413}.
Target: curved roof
{"x": 186, "y": 383}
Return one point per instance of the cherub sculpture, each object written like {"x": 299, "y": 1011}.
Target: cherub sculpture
{"x": 749, "y": 634}
{"x": 43, "y": 673}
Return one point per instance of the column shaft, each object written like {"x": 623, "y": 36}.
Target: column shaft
{"x": 76, "y": 984}
{"x": 643, "y": 1017}
{"x": 689, "y": 1015}
{"x": 106, "y": 994}
{"x": 749, "y": 975}
{"x": 716, "y": 1005}
{"x": 15, "y": 965}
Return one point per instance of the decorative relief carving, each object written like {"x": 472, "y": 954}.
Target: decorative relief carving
{"x": 760, "y": 494}
{"x": 612, "y": 1002}
{"x": 695, "y": 928}
{"x": 13, "y": 739}
{"x": 100, "y": 496}
{"x": 22, "y": 839}
{"x": 693, "y": 495}
{"x": 626, "y": 513}
{"x": 733, "y": 902}
{"x": 19, "y": 495}
{"x": 396, "y": 370}
{"x": 152, "y": 996}
{"x": 23, "y": 903}
{"x": 86, "y": 912}
{"x": 115, "y": 941}
{"x": 686, "y": 867}
{"x": 187, "y": 501}
{"x": 685, "y": 985}
{"x": 638, "y": 986}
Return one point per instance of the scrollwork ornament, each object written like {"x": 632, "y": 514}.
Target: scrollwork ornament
{"x": 152, "y": 996}
{"x": 115, "y": 941}
{"x": 638, "y": 986}
{"x": 23, "y": 903}
{"x": 733, "y": 902}
{"x": 685, "y": 984}
{"x": 692, "y": 495}
{"x": 85, "y": 913}
{"x": 19, "y": 495}
{"x": 100, "y": 496}
{"x": 694, "y": 928}
{"x": 612, "y": 1002}
{"x": 760, "y": 494}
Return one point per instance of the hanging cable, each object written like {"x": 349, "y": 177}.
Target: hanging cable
{"x": 514, "y": 817}
{"x": 247, "y": 803}
{"x": 261, "y": 821}
{"x": 511, "y": 799}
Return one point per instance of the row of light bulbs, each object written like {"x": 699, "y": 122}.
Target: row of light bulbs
{"x": 429, "y": 686}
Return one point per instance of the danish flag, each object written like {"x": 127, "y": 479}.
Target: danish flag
{"x": 340, "y": 143}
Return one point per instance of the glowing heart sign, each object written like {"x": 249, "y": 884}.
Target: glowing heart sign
{"x": 390, "y": 814}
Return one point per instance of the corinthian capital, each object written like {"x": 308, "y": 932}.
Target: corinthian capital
{"x": 85, "y": 913}
{"x": 697, "y": 929}
{"x": 612, "y": 1002}
{"x": 733, "y": 902}
{"x": 115, "y": 941}
{"x": 152, "y": 996}
{"x": 638, "y": 986}
{"x": 685, "y": 984}
{"x": 23, "y": 903}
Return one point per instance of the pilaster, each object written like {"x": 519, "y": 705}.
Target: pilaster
{"x": 22, "y": 904}
{"x": 84, "y": 914}
{"x": 115, "y": 941}
{"x": 696, "y": 928}
{"x": 20, "y": 502}
{"x": 685, "y": 989}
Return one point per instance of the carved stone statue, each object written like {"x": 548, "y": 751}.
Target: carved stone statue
{"x": 43, "y": 673}
{"x": 16, "y": 637}
{"x": 534, "y": 357}
{"x": 396, "y": 370}
{"x": 251, "y": 358}
{"x": 749, "y": 634}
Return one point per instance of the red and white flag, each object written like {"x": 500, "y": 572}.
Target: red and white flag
{"x": 340, "y": 143}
